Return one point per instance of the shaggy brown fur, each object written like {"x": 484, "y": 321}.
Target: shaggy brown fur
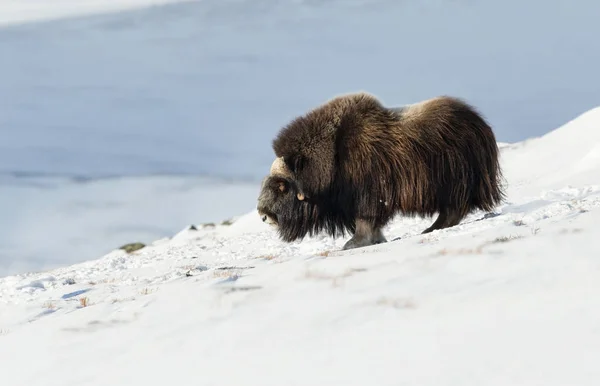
{"x": 358, "y": 164}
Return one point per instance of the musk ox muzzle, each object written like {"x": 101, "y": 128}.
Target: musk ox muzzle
{"x": 274, "y": 192}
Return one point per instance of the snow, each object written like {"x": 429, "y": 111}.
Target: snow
{"x": 60, "y": 221}
{"x": 21, "y": 11}
{"x": 574, "y": 166}
{"x": 114, "y": 130}
{"x": 510, "y": 299}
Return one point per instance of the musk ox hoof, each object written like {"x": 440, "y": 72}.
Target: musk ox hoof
{"x": 359, "y": 243}
{"x": 364, "y": 236}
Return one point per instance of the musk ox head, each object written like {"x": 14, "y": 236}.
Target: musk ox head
{"x": 280, "y": 202}
{"x": 277, "y": 193}
{"x": 283, "y": 205}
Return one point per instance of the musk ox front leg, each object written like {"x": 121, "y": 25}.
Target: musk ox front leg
{"x": 365, "y": 234}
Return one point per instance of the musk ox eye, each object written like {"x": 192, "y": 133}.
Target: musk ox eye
{"x": 279, "y": 185}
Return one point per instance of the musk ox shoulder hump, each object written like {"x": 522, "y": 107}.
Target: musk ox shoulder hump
{"x": 437, "y": 106}
{"x": 313, "y": 138}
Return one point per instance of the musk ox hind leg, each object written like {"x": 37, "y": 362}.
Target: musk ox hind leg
{"x": 438, "y": 224}
{"x": 365, "y": 234}
{"x": 446, "y": 219}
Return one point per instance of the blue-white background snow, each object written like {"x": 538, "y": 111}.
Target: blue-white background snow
{"x": 110, "y": 123}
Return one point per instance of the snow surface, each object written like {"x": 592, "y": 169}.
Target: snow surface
{"x": 58, "y": 221}
{"x": 91, "y": 108}
{"x": 507, "y": 300}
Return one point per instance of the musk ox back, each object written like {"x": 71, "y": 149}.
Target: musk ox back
{"x": 352, "y": 164}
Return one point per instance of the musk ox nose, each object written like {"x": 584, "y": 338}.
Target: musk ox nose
{"x": 264, "y": 217}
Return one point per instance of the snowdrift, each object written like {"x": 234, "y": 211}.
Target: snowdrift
{"x": 567, "y": 155}
{"x": 511, "y": 299}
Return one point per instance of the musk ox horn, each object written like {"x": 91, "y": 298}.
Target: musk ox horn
{"x": 278, "y": 167}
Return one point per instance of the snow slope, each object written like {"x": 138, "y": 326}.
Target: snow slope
{"x": 507, "y": 300}
{"x": 52, "y": 222}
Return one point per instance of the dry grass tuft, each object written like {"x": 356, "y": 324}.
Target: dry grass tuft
{"x": 462, "y": 251}
{"x": 574, "y": 230}
{"x": 336, "y": 280}
{"x": 227, "y": 222}
{"x": 118, "y": 300}
{"x": 227, "y": 274}
{"x": 132, "y": 247}
{"x": 505, "y": 239}
{"x": 479, "y": 250}
{"x": 84, "y": 301}
{"x": 266, "y": 257}
{"x": 103, "y": 281}
{"x": 49, "y": 305}
{"x": 147, "y": 291}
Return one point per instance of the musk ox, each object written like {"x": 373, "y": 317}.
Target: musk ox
{"x": 352, "y": 164}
